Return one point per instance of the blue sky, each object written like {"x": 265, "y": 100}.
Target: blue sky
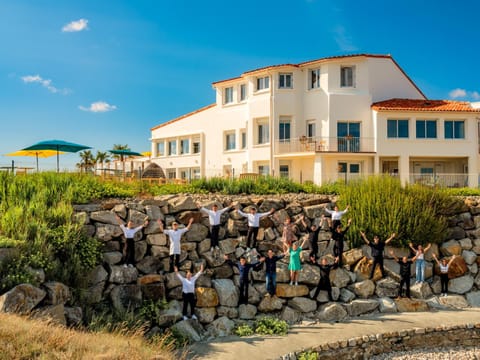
{"x": 104, "y": 72}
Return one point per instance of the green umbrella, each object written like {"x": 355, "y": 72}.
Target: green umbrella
{"x": 58, "y": 146}
{"x": 123, "y": 153}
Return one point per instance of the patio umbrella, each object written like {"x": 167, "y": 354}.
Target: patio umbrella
{"x": 36, "y": 153}
{"x": 58, "y": 146}
{"x": 123, "y": 153}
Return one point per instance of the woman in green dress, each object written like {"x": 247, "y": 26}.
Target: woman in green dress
{"x": 295, "y": 265}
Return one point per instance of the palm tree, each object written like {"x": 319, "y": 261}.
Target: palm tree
{"x": 101, "y": 158}
{"x": 87, "y": 161}
{"x": 119, "y": 147}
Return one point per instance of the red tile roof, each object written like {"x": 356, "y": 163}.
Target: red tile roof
{"x": 424, "y": 105}
{"x": 183, "y": 116}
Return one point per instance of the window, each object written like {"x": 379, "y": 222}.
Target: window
{"x": 185, "y": 174}
{"x": 264, "y": 170}
{"x": 171, "y": 173}
{"x": 196, "y": 173}
{"x": 244, "y": 139}
{"x": 347, "y": 76}
{"x": 228, "y": 96}
{"x": 172, "y": 147}
{"x": 284, "y": 129}
{"x": 311, "y": 130}
{"x": 397, "y": 128}
{"x": 243, "y": 92}
{"x": 426, "y": 129}
{"x": 315, "y": 79}
{"x": 196, "y": 147}
{"x": 230, "y": 141}
{"x": 285, "y": 81}
{"x": 263, "y": 83}
{"x": 283, "y": 169}
{"x": 161, "y": 149}
{"x": 454, "y": 129}
{"x": 184, "y": 146}
{"x": 263, "y": 134}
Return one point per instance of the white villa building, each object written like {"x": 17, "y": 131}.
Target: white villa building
{"x": 334, "y": 118}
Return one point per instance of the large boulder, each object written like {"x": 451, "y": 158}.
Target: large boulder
{"x": 112, "y": 257}
{"x": 123, "y": 275}
{"x": 206, "y": 297}
{"x": 270, "y": 303}
{"x": 228, "y": 246}
{"x": 351, "y": 257}
{"x": 363, "y": 289}
{"x": 461, "y": 285}
{"x": 221, "y": 327}
{"x": 290, "y": 315}
{"x": 361, "y": 306}
{"x": 386, "y": 288}
{"x": 454, "y": 301}
{"x": 57, "y": 293}
{"x": 171, "y": 314}
{"x": 140, "y": 250}
{"x": 205, "y": 314}
{"x": 451, "y": 247}
{"x": 410, "y": 305}
{"x": 97, "y": 275}
{"x": 340, "y": 277}
{"x": 364, "y": 268}
{"x": 190, "y": 329}
{"x": 346, "y": 295}
{"x": 197, "y": 232}
{"x": 213, "y": 259}
{"x": 457, "y": 268}
{"x": 21, "y": 299}
{"x": 228, "y": 293}
{"x": 106, "y": 232}
{"x": 94, "y": 293}
{"x": 73, "y": 315}
{"x": 421, "y": 290}
{"x": 469, "y": 256}
{"x": 309, "y": 275}
{"x": 387, "y": 305}
{"x": 332, "y": 312}
{"x": 126, "y": 297}
{"x": 290, "y": 291}
{"x": 230, "y": 312}
{"x": 149, "y": 265}
{"x": 247, "y": 311}
{"x": 157, "y": 239}
{"x": 54, "y": 313}
{"x": 153, "y": 291}
{"x": 105, "y": 217}
{"x": 473, "y": 298}
{"x": 303, "y": 304}
{"x": 181, "y": 203}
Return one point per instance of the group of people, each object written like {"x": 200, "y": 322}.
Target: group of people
{"x": 291, "y": 248}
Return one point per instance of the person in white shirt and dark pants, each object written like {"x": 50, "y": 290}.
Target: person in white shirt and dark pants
{"x": 175, "y": 235}
{"x": 253, "y": 224}
{"x": 129, "y": 232}
{"x": 214, "y": 217}
{"x": 188, "y": 291}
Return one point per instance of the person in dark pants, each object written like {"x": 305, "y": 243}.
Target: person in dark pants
{"x": 129, "y": 232}
{"x": 405, "y": 273}
{"x": 175, "y": 236}
{"x": 377, "y": 248}
{"x": 244, "y": 270}
{"x": 336, "y": 215}
{"x": 313, "y": 231}
{"x": 338, "y": 236}
{"x": 271, "y": 271}
{"x": 214, "y": 217}
{"x": 324, "y": 282}
{"x": 253, "y": 225}
{"x": 444, "y": 265}
{"x": 188, "y": 291}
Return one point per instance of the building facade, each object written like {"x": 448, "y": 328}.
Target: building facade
{"x": 323, "y": 120}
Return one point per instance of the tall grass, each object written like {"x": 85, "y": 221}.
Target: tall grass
{"x": 381, "y": 206}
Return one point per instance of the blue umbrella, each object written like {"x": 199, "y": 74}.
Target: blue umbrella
{"x": 58, "y": 146}
{"x": 123, "y": 153}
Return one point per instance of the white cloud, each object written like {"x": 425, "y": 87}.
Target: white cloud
{"x": 344, "y": 41}
{"x": 457, "y": 93}
{"x": 475, "y": 95}
{"x": 99, "y": 106}
{"x": 46, "y": 83}
{"x": 76, "y": 26}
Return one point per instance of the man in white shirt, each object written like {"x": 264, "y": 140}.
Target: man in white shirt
{"x": 214, "y": 217}
{"x": 188, "y": 291}
{"x": 253, "y": 224}
{"x": 175, "y": 235}
{"x": 129, "y": 232}
{"x": 336, "y": 215}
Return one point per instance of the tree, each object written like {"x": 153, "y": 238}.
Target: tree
{"x": 119, "y": 147}
{"x": 101, "y": 158}
{"x": 87, "y": 161}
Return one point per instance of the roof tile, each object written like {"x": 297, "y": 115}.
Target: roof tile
{"x": 424, "y": 105}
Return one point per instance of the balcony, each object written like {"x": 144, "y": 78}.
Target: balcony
{"x": 440, "y": 180}
{"x": 343, "y": 144}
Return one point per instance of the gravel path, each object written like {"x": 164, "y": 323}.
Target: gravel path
{"x": 458, "y": 353}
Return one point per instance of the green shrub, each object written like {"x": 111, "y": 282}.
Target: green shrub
{"x": 271, "y": 326}
{"x": 150, "y": 310}
{"x": 308, "y": 355}
{"x": 381, "y": 206}
{"x": 244, "y": 330}
{"x": 174, "y": 337}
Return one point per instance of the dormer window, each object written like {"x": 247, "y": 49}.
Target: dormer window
{"x": 228, "y": 95}
{"x": 285, "y": 81}
{"x": 263, "y": 83}
{"x": 347, "y": 76}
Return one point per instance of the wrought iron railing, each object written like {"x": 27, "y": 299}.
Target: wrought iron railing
{"x": 341, "y": 144}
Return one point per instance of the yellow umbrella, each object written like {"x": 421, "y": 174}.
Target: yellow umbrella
{"x": 147, "y": 153}
{"x": 36, "y": 153}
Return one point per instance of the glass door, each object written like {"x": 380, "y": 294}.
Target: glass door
{"x": 348, "y": 136}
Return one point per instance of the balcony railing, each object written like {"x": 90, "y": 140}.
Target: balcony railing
{"x": 440, "y": 180}
{"x": 341, "y": 144}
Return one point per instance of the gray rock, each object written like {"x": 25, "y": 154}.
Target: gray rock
{"x": 302, "y": 304}
{"x": 57, "y": 293}
{"x": 363, "y": 289}
{"x": 38, "y": 275}
{"x": 466, "y": 243}
{"x": 454, "y": 301}
{"x": 247, "y": 311}
{"x": 112, "y": 257}
{"x": 106, "y": 232}
{"x": 191, "y": 329}
{"x": 52, "y": 313}
{"x": 228, "y": 293}
{"x": 87, "y": 207}
{"x": 204, "y": 246}
{"x": 171, "y": 314}
{"x": 181, "y": 203}
{"x": 97, "y": 275}
{"x": 469, "y": 256}
{"x": 73, "y": 315}
{"x": 94, "y": 293}
{"x": 81, "y": 218}
{"x": 205, "y": 314}
{"x": 157, "y": 239}
{"x": 314, "y": 211}
{"x": 172, "y": 280}
{"x": 346, "y": 295}
{"x": 387, "y": 287}
{"x": 451, "y": 247}
{"x": 421, "y": 290}
{"x": 309, "y": 275}
{"x": 340, "y": 277}
{"x": 332, "y": 312}
{"x": 149, "y": 265}
{"x": 159, "y": 251}
{"x": 153, "y": 291}
{"x": 473, "y": 268}
{"x": 473, "y": 298}
{"x": 140, "y": 250}
{"x": 230, "y": 312}
{"x": 387, "y": 305}
{"x": 228, "y": 246}
{"x": 21, "y": 299}
{"x": 105, "y": 217}
{"x": 120, "y": 210}
{"x": 461, "y": 285}
{"x": 270, "y": 303}
{"x": 221, "y": 327}
{"x": 290, "y": 315}
{"x": 154, "y": 213}
{"x": 363, "y": 306}
{"x": 126, "y": 297}
{"x": 197, "y": 233}
{"x": 123, "y": 275}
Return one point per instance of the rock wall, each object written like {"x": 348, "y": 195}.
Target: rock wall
{"x": 217, "y": 289}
